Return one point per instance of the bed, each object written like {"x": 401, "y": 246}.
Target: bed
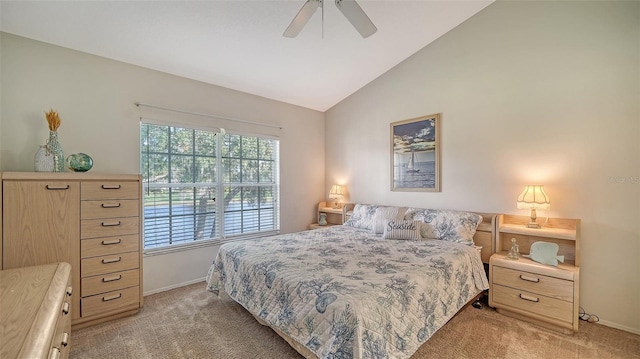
{"x": 348, "y": 292}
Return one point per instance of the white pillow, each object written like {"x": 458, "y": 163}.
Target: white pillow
{"x": 400, "y": 229}
{"x": 384, "y": 214}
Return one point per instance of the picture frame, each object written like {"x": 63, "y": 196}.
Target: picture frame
{"x": 415, "y": 154}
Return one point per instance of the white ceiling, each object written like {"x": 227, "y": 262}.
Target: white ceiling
{"x": 239, "y": 44}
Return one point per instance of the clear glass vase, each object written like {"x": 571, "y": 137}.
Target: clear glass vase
{"x": 43, "y": 160}
{"x": 56, "y": 151}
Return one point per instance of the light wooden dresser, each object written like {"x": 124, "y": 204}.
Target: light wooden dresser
{"x": 34, "y": 311}
{"x": 543, "y": 294}
{"x": 91, "y": 221}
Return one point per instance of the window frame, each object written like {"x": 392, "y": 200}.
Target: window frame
{"x": 220, "y": 185}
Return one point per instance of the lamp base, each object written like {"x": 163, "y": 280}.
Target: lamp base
{"x": 532, "y": 223}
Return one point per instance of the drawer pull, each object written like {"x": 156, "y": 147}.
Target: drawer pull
{"x": 531, "y": 299}
{"x": 108, "y": 243}
{"x": 65, "y": 339}
{"x": 104, "y": 186}
{"x": 53, "y": 188}
{"x": 65, "y": 308}
{"x": 107, "y": 261}
{"x": 113, "y": 297}
{"x": 110, "y": 205}
{"x": 112, "y": 279}
{"x": 112, "y": 224}
{"x": 55, "y": 353}
{"x": 69, "y": 291}
{"x": 529, "y": 279}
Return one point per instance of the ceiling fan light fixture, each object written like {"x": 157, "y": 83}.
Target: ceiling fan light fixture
{"x": 349, "y": 8}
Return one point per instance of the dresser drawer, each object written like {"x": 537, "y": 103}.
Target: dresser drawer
{"x": 534, "y": 283}
{"x": 109, "y": 227}
{"x": 103, "y": 304}
{"x": 109, "y": 190}
{"x": 61, "y": 339}
{"x": 109, "y": 264}
{"x": 109, "y": 208}
{"x": 110, "y": 282}
{"x": 532, "y": 303}
{"x": 104, "y": 246}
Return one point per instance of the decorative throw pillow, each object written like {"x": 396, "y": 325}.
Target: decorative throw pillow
{"x": 401, "y": 229}
{"x": 362, "y": 216}
{"x": 384, "y": 214}
{"x": 445, "y": 224}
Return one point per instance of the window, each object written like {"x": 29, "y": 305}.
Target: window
{"x": 203, "y": 185}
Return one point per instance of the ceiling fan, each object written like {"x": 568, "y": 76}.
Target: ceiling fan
{"x": 350, "y": 9}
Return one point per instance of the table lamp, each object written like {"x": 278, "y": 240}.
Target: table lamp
{"x": 533, "y": 197}
{"x": 335, "y": 193}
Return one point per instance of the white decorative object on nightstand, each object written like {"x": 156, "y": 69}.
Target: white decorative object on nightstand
{"x": 543, "y": 294}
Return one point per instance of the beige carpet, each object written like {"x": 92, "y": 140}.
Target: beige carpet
{"x": 190, "y": 322}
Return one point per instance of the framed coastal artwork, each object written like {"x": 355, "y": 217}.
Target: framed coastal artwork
{"x": 415, "y": 154}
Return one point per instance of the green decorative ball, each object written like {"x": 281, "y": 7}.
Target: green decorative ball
{"x": 79, "y": 162}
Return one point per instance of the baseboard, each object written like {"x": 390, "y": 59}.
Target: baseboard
{"x": 178, "y": 285}
{"x": 618, "y": 326}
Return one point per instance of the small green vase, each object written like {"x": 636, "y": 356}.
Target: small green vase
{"x": 79, "y": 162}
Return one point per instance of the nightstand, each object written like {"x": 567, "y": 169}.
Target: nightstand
{"x": 542, "y": 294}
{"x": 334, "y": 215}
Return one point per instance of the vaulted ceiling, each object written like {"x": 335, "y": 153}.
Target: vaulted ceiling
{"x": 238, "y": 44}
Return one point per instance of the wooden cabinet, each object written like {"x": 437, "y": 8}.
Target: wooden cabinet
{"x": 542, "y": 294}
{"x": 35, "y": 305}
{"x": 91, "y": 221}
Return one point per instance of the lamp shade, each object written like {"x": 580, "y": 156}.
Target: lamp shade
{"x": 533, "y": 197}
{"x": 336, "y": 191}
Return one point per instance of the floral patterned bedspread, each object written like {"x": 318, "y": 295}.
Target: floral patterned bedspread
{"x": 345, "y": 292}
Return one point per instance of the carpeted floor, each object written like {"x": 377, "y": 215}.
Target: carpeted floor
{"x": 190, "y": 322}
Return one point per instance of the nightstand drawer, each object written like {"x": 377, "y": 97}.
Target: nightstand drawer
{"x": 534, "y": 283}
{"x": 533, "y": 303}
{"x": 109, "y": 208}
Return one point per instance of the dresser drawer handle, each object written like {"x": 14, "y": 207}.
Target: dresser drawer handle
{"x": 529, "y": 279}
{"x": 65, "y": 308}
{"x": 111, "y": 205}
{"x": 113, "y": 224}
{"x": 104, "y": 186}
{"x": 107, "y": 261}
{"x": 112, "y": 279}
{"x": 55, "y": 353}
{"x": 106, "y": 299}
{"x": 53, "y": 188}
{"x": 69, "y": 291}
{"x": 65, "y": 339}
{"x": 531, "y": 299}
{"x": 108, "y": 243}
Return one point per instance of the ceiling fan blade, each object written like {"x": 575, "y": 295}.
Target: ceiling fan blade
{"x": 356, "y": 16}
{"x": 301, "y": 19}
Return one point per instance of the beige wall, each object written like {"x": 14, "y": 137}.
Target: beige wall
{"x": 95, "y": 98}
{"x": 530, "y": 92}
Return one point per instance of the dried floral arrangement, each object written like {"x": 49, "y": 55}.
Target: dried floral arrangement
{"x": 53, "y": 120}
